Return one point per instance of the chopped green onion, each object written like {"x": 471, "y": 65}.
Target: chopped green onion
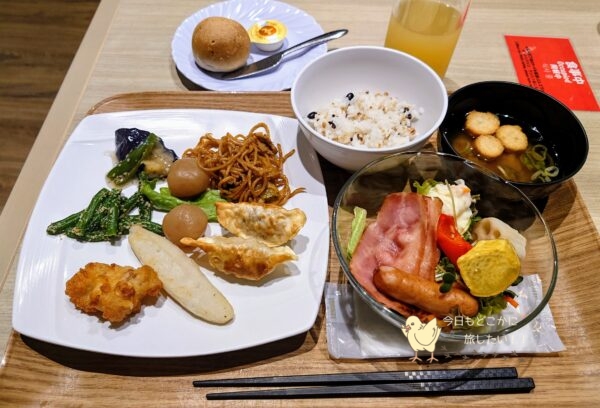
{"x": 539, "y": 152}
{"x": 537, "y": 158}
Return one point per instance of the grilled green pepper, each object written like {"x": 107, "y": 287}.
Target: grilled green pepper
{"x": 127, "y": 168}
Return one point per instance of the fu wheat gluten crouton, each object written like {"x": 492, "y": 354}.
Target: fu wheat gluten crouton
{"x": 488, "y": 147}
{"x": 481, "y": 123}
{"x": 512, "y": 138}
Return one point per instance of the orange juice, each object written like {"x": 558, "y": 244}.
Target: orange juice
{"x": 426, "y": 29}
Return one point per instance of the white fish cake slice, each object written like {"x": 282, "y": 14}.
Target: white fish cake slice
{"x": 181, "y": 276}
{"x": 271, "y": 224}
{"x": 245, "y": 258}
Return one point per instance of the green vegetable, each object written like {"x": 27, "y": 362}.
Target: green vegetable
{"x": 92, "y": 209}
{"x": 425, "y": 187}
{"x": 145, "y": 209}
{"x": 358, "y": 226}
{"x": 59, "y": 227}
{"x": 488, "y": 306}
{"x": 127, "y": 221}
{"x": 446, "y": 274}
{"x": 162, "y": 200}
{"x": 492, "y": 305}
{"x": 111, "y": 220}
{"x": 546, "y": 174}
{"x": 447, "y": 279}
{"x": 159, "y": 201}
{"x": 128, "y": 204}
{"x": 106, "y": 218}
{"x": 468, "y": 234}
{"x": 537, "y": 158}
{"x": 93, "y": 236}
{"x": 127, "y": 168}
{"x": 151, "y": 226}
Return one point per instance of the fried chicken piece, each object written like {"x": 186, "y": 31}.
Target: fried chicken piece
{"x": 115, "y": 292}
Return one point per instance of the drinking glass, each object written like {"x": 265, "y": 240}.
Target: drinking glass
{"x": 427, "y": 29}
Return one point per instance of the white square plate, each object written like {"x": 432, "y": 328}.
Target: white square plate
{"x": 283, "y": 304}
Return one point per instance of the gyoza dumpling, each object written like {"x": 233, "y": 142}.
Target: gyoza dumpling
{"x": 271, "y": 224}
{"x": 245, "y": 258}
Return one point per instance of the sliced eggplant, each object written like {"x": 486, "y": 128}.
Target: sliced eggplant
{"x": 156, "y": 163}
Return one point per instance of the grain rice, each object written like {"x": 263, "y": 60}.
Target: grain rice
{"x": 367, "y": 119}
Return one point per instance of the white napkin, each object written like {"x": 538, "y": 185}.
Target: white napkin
{"x": 355, "y": 331}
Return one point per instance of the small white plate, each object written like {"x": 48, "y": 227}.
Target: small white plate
{"x": 300, "y": 25}
{"x": 284, "y": 304}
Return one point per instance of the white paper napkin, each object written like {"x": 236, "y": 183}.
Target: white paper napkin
{"x": 355, "y": 331}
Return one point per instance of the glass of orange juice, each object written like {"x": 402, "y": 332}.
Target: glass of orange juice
{"x": 427, "y": 29}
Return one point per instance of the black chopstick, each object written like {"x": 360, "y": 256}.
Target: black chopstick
{"x": 364, "y": 377}
{"x": 451, "y": 387}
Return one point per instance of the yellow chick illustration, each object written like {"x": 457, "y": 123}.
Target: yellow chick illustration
{"x": 421, "y": 336}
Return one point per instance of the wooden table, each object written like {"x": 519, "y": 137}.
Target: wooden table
{"x": 127, "y": 50}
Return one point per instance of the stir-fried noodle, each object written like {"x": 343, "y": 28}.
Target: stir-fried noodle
{"x": 245, "y": 168}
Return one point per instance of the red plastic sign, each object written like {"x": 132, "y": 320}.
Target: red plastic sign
{"x": 550, "y": 65}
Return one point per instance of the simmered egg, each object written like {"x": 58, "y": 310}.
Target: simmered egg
{"x": 268, "y": 35}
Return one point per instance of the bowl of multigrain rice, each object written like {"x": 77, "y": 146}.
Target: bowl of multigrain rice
{"x": 357, "y": 104}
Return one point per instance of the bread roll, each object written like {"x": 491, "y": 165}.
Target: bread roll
{"x": 220, "y": 44}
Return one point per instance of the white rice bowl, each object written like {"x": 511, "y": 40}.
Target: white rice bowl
{"x": 367, "y": 119}
{"x": 375, "y": 69}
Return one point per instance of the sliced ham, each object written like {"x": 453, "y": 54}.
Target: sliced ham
{"x": 403, "y": 237}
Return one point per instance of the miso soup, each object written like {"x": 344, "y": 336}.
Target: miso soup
{"x": 537, "y": 164}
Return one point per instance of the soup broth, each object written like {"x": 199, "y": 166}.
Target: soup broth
{"x": 509, "y": 166}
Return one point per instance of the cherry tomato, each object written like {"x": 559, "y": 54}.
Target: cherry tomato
{"x": 450, "y": 241}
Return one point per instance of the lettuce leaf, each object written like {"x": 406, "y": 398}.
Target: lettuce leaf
{"x": 358, "y": 226}
{"x": 425, "y": 187}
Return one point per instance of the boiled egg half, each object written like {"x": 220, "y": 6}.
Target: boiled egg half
{"x": 268, "y": 35}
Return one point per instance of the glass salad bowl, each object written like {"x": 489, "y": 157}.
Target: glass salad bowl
{"x": 498, "y": 315}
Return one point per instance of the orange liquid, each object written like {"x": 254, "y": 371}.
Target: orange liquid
{"x": 426, "y": 29}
